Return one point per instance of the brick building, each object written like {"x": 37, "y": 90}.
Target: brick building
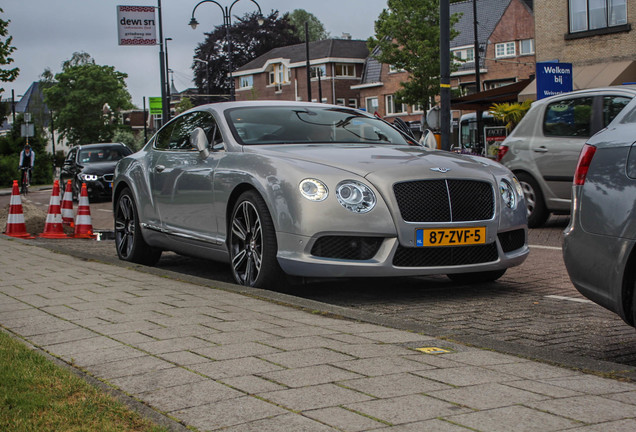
{"x": 597, "y": 37}
{"x": 506, "y": 40}
{"x": 281, "y": 74}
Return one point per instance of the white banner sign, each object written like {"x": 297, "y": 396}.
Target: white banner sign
{"x": 136, "y": 25}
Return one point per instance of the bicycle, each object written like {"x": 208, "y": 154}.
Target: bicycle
{"x": 24, "y": 188}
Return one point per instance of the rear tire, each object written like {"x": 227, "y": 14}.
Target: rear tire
{"x": 129, "y": 241}
{"x": 252, "y": 243}
{"x": 476, "y": 277}
{"x": 535, "y": 204}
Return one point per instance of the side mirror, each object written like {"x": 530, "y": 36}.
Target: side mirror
{"x": 200, "y": 142}
{"x": 428, "y": 140}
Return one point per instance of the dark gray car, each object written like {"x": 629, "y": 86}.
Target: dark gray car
{"x": 600, "y": 242}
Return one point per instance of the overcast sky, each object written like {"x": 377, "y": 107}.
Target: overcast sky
{"x": 48, "y": 32}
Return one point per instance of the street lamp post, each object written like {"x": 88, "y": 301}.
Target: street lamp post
{"x": 167, "y": 77}
{"x": 165, "y": 109}
{"x": 207, "y": 77}
{"x": 227, "y": 22}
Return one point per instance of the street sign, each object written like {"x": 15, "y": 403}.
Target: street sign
{"x": 494, "y": 135}
{"x": 27, "y": 130}
{"x": 155, "y": 105}
{"x": 553, "y": 78}
{"x": 136, "y": 25}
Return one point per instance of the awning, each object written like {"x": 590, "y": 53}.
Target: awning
{"x": 591, "y": 76}
{"x": 482, "y": 101}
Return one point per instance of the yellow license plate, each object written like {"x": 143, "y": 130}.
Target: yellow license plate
{"x": 450, "y": 236}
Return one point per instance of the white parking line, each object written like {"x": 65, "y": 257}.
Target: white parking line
{"x": 545, "y": 247}
{"x": 105, "y": 210}
{"x": 578, "y": 300}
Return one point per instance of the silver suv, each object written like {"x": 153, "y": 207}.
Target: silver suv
{"x": 544, "y": 147}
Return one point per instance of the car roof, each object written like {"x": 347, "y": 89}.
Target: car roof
{"x": 626, "y": 89}
{"x": 100, "y": 145}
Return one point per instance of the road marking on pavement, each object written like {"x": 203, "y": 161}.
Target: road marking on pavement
{"x": 105, "y": 210}
{"x": 433, "y": 350}
{"x": 578, "y": 300}
{"x": 545, "y": 247}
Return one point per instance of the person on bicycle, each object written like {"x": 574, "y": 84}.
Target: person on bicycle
{"x": 27, "y": 160}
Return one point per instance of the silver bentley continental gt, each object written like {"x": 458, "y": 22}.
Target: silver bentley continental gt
{"x": 314, "y": 190}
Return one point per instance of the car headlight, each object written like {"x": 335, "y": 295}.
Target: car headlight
{"x": 88, "y": 177}
{"x": 313, "y": 189}
{"x": 518, "y": 187}
{"x": 355, "y": 196}
{"x": 508, "y": 194}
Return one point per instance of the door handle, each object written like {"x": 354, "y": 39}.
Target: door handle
{"x": 160, "y": 168}
{"x": 541, "y": 149}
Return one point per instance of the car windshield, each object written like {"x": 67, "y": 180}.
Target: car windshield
{"x": 100, "y": 154}
{"x": 317, "y": 125}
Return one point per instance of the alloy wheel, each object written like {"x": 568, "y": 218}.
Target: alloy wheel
{"x": 246, "y": 243}
{"x": 125, "y": 226}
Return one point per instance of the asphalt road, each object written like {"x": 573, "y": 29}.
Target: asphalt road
{"x": 533, "y": 310}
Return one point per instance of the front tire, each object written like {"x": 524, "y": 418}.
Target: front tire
{"x": 477, "y": 277}
{"x": 535, "y": 204}
{"x": 129, "y": 242}
{"x": 252, "y": 243}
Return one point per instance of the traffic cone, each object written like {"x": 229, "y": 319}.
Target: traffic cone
{"x": 83, "y": 224}
{"x": 15, "y": 222}
{"x": 67, "y": 205}
{"x": 53, "y": 226}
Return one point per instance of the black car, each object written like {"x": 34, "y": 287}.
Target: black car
{"x": 93, "y": 164}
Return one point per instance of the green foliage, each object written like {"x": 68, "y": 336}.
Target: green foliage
{"x": 510, "y": 113}
{"x": 6, "y": 75}
{"x": 407, "y": 35}
{"x": 124, "y": 134}
{"x": 79, "y": 96}
{"x": 184, "y": 104}
{"x": 316, "y": 29}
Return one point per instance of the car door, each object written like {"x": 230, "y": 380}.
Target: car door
{"x": 567, "y": 124}
{"x": 181, "y": 179}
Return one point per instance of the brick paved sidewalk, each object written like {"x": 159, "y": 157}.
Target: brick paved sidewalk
{"x": 214, "y": 359}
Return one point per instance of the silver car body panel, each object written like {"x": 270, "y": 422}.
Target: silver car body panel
{"x": 599, "y": 247}
{"x": 183, "y": 205}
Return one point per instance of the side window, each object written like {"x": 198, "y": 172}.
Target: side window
{"x": 176, "y": 134}
{"x": 71, "y": 155}
{"x": 568, "y": 118}
{"x": 612, "y": 105}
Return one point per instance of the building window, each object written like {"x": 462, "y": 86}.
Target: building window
{"x": 596, "y": 14}
{"x": 395, "y": 69}
{"x": 464, "y": 55}
{"x": 372, "y": 104}
{"x": 353, "y": 102}
{"x": 279, "y": 74}
{"x": 417, "y": 108}
{"x": 318, "y": 71}
{"x": 506, "y": 49}
{"x": 345, "y": 70}
{"x": 340, "y": 101}
{"x": 246, "y": 81}
{"x": 526, "y": 46}
{"x": 392, "y": 107}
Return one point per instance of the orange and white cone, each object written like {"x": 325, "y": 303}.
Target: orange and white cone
{"x": 53, "y": 226}
{"x": 83, "y": 224}
{"x": 67, "y": 205}
{"x": 15, "y": 222}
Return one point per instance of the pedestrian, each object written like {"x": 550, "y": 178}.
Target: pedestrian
{"x": 27, "y": 160}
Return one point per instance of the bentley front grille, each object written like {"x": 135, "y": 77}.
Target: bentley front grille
{"x": 445, "y": 200}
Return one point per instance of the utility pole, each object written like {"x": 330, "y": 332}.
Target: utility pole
{"x": 478, "y": 140}
{"x": 444, "y": 48}
{"x": 308, "y": 66}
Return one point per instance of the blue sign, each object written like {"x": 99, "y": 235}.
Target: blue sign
{"x": 553, "y": 79}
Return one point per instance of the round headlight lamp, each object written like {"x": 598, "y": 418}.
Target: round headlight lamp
{"x": 88, "y": 177}
{"x": 508, "y": 194}
{"x": 313, "y": 189}
{"x": 355, "y": 196}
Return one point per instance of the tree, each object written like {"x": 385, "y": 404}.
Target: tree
{"x": 6, "y": 75}
{"x": 184, "y": 104}
{"x": 85, "y": 98}
{"x": 510, "y": 113}
{"x": 316, "y": 29}
{"x": 249, "y": 40}
{"x": 407, "y": 37}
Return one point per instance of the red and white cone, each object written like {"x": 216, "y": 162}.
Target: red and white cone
{"x": 67, "y": 205}
{"x": 83, "y": 224}
{"x": 15, "y": 222}
{"x": 53, "y": 226}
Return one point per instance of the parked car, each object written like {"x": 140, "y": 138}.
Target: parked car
{"x": 93, "y": 164}
{"x": 543, "y": 149}
{"x": 599, "y": 249}
{"x": 314, "y": 190}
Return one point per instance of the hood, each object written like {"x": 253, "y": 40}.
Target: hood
{"x": 99, "y": 168}
{"x": 398, "y": 162}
